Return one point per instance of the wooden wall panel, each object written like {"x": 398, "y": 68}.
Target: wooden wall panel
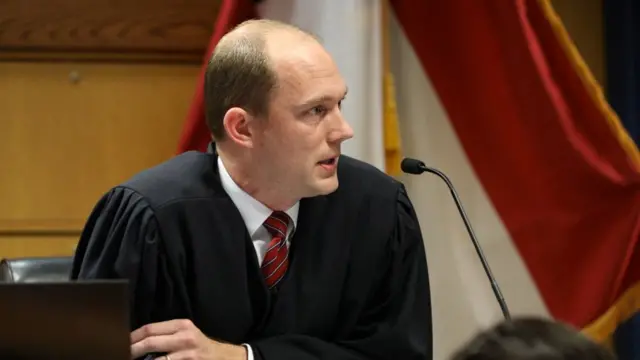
{"x": 106, "y": 29}
{"x": 85, "y": 104}
{"x": 68, "y": 132}
{"x": 51, "y": 245}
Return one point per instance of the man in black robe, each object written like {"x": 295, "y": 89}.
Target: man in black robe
{"x": 252, "y": 250}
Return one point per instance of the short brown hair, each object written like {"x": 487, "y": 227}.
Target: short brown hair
{"x": 240, "y": 73}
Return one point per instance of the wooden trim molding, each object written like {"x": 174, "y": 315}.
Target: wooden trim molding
{"x": 41, "y": 227}
{"x": 99, "y": 30}
{"x": 104, "y": 57}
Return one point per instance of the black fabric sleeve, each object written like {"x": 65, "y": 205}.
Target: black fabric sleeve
{"x": 121, "y": 240}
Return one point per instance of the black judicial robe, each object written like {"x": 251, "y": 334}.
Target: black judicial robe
{"x": 357, "y": 285}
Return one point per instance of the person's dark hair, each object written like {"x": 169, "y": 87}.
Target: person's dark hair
{"x": 238, "y": 74}
{"x": 530, "y": 338}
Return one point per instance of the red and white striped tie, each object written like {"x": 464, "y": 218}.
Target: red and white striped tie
{"x": 276, "y": 259}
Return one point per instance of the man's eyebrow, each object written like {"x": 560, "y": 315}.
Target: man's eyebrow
{"x": 320, "y": 100}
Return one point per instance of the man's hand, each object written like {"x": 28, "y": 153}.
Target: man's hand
{"x": 181, "y": 340}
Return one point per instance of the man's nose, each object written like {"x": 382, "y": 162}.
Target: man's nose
{"x": 343, "y": 131}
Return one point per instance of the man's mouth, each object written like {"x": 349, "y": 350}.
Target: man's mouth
{"x": 330, "y": 161}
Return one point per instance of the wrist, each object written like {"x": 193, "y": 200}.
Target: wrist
{"x": 230, "y": 352}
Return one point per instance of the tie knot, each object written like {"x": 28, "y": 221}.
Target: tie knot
{"x": 277, "y": 224}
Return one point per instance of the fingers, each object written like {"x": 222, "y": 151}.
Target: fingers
{"x": 182, "y": 355}
{"x": 164, "y": 344}
{"x": 160, "y": 328}
{"x": 166, "y": 336}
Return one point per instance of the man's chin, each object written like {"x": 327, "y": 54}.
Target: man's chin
{"x": 325, "y": 186}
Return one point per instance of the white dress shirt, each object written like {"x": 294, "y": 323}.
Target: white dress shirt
{"x": 254, "y": 214}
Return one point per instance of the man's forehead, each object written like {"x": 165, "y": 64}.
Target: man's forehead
{"x": 302, "y": 65}
{"x": 300, "y": 79}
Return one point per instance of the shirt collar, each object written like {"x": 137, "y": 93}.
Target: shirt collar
{"x": 253, "y": 212}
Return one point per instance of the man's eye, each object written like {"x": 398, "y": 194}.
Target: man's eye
{"x": 318, "y": 111}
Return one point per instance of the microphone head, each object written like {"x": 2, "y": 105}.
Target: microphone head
{"x": 412, "y": 166}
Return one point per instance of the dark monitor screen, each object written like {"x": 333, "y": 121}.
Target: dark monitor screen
{"x": 68, "y": 320}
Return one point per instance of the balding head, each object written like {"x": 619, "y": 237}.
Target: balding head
{"x": 274, "y": 94}
{"x": 264, "y": 27}
{"x": 241, "y": 73}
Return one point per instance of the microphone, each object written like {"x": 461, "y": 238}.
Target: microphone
{"x": 417, "y": 167}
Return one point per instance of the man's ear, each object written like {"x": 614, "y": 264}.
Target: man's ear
{"x": 236, "y": 124}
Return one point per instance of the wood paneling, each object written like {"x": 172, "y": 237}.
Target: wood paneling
{"x": 107, "y": 29}
{"x": 27, "y": 246}
{"x": 74, "y": 122}
{"x": 68, "y": 132}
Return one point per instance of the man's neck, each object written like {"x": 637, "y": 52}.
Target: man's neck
{"x": 251, "y": 183}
